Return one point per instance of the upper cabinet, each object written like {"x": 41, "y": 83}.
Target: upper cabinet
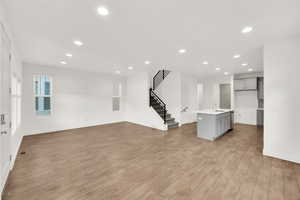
{"x": 245, "y": 84}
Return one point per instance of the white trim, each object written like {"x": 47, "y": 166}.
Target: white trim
{"x": 290, "y": 158}
{"x": 15, "y": 154}
{"x": 17, "y": 96}
{"x": 74, "y": 127}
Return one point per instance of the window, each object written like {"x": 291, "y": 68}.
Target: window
{"x": 15, "y": 104}
{"x": 42, "y": 92}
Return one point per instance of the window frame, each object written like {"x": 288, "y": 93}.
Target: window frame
{"x": 40, "y": 95}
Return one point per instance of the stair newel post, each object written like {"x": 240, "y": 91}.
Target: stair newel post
{"x": 150, "y": 103}
{"x": 165, "y": 114}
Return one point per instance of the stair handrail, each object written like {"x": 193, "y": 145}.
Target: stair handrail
{"x": 153, "y": 95}
{"x": 163, "y": 72}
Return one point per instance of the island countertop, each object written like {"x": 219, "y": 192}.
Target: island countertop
{"x": 213, "y": 111}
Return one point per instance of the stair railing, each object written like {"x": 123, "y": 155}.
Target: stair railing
{"x": 159, "y": 77}
{"x": 154, "y": 99}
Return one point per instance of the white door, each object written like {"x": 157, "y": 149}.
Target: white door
{"x": 4, "y": 106}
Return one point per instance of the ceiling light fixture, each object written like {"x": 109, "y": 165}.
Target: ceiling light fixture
{"x": 244, "y": 64}
{"x": 69, "y": 55}
{"x": 182, "y": 51}
{"x": 118, "y": 72}
{"x": 250, "y": 70}
{"x": 63, "y": 62}
{"x": 218, "y": 68}
{"x": 247, "y": 29}
{"x": 147, "y": 62}
{"x": 226, "y": 73}
{"x": 103, "y": 11}
{"x": 130, "y": 68}
{"x": 78, "y": 43}
{"x": 205, "y": 63}
{"x": 236, "y": 56}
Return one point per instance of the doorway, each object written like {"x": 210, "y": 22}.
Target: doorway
{"x": 5, "y": 108}
{"x": 225, "y": 96}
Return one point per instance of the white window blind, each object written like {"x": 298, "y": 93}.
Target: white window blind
{"x": 43, "y": 94}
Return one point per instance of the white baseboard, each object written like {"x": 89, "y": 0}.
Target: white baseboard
{"x": 68, "y": 128}
{"x": 15, "y": 154}
{"x": 291, "y": 158}
{"x": 162, "y": 128}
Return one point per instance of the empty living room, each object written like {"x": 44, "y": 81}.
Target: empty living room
{"x": 149, "y": 100}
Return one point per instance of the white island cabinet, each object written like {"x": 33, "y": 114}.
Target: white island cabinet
{"x": 214, "y": 123}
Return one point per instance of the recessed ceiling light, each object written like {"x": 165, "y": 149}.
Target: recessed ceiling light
{"x": 205, "y": 63}
{"x": 118, "y": 72}
{"x": 247, "y": 29}
{"x": 103, "y": 11}
{"x": 63, "y": 62}
{"x": 236, "y": 56}
{"x": 69, "y": 55}
{"x": 182, "y": 51}
{"x": 130, "y": 68}
{"x": 226, "y": 73}
{"x": 218, "y": 68}
{"x": 250, "y": 70}
{"x": 244, "y": 64}
{"x": 147, "y": 62}
{"x": 78, "y": 43}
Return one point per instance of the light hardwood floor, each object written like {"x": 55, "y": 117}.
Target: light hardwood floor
{"x": 131, "y": 162}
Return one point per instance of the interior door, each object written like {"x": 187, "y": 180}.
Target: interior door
{"x": 4, "y": 106}
{"x": 225, "y": 96}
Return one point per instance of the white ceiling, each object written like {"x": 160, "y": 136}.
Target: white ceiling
{"x": 139, "y": 30}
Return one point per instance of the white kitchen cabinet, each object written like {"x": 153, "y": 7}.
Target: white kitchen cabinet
{"x": 251, "y": 83}
{"x": 239, "y": 84}
{"x": 245, "y": 84}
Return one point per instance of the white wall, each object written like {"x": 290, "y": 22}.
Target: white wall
{"x": 16, "y": 68}
{"x": 245, "y": 107}
{"x": 80, "y": 99}
{"x": 137, "y": 102}
{"x": 170, "y": 92}
{"x": 189, "y": 98}
{"x": 282, "y": 99}
{"x": 211, "y": 90}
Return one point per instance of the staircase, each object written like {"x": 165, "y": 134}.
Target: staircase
{"x": 157, "y": 104}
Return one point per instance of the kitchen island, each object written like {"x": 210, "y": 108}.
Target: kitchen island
{"x": 212, "y": 124}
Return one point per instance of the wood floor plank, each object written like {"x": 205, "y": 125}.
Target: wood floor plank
{"x": 125, "y": 161}
{"x": 291, "y": 189}
{"x": 276, "y": 188}
{"x": 261, "y": 189}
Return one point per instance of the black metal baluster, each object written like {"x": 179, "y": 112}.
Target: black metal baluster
{"x": 165, "y": 114}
